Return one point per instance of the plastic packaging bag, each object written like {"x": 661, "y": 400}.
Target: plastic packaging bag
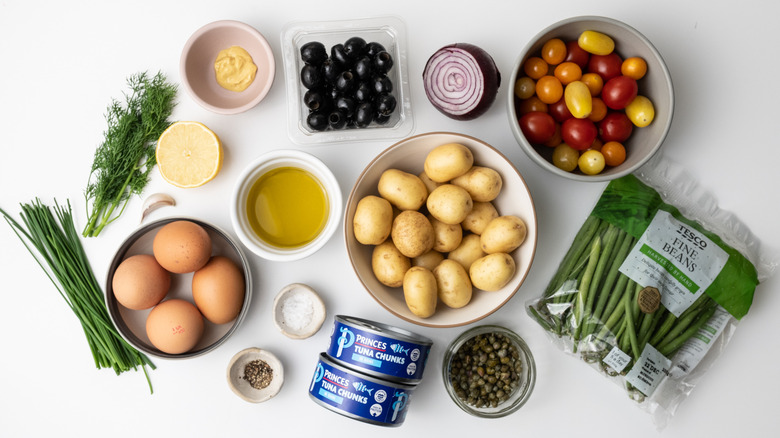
{"x": 653, "y": 286}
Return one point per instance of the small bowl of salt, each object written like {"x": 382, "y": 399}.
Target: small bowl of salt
{"x": 298, "y": 311}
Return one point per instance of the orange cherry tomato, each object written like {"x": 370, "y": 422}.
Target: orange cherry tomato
{"x": 525, "y": 87}
{"x": 567, "y": 72}
{"x": 634, "y": 67}
{"x": 556, "y": 139}
{"x": 597, "y": 145}
{"x": 554, "y": 51}
{"x": 598, "y": 109}
{"x": 549, "y": 89}
{"x": 594, "y": 82}
{"x": 535, "y": 67}
{"x": 614, "y": 153}
{"x": 531, "y": 104}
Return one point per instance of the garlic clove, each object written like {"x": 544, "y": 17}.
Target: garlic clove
{"x": 155, "y": 201}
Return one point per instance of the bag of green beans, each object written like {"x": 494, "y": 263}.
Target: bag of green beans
{"x": 653, "y": 285}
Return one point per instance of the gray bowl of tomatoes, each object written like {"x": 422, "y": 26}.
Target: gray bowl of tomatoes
{"x": 591, "y": 99}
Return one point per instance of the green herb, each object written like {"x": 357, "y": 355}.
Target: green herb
{"x": 124, "y": 160}
{"x": 62, "y": 258}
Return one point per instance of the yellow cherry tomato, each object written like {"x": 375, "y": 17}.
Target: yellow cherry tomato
{"x": 549, "y": 89}
{"x": 596, "y": 43}
{"x": 634, "y": 67}
{"x": 594, "y": 82}
{"x": 578, "y": 99}
{"x": 554, "y": 51}
{"x": 641, "y": 111}
{"x": 591, "y": 162}
{"x": 565, "y": 157}
{"x": 525, "y": 87}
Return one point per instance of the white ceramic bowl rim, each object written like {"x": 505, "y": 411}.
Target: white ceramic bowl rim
{"x": 270, "y": 161}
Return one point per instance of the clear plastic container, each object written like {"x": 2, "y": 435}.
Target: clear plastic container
{"x": 388, "y": 31}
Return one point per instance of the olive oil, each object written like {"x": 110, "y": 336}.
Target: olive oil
{"x": 287, "y": 207}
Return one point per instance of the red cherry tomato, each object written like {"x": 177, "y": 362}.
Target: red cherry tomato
{"x": 538, "y": 127}
{"x": 559, "y": 111}
{"x": 579, "y": 133}
{"x": 619, "y": 91}
{"x": 616, "y": 126}
{"x": 606, "y": 66}
{"x": 575, "y": 54}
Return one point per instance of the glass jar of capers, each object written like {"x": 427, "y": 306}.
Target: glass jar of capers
{"x": 489, "y": 371}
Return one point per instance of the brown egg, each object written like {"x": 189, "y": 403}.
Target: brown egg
{"x": 218, "y": 290}
{"x": 182, "y": 247}
{"x": 140, "y": 282}
{"x": 174, "y": 326}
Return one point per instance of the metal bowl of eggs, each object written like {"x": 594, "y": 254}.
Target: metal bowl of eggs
{"x": 178, "y": 288}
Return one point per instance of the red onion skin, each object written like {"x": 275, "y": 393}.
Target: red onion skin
{"x": 491, "y": 75}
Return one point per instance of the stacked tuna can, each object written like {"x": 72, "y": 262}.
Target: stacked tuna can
{"x": 369, "y": 370}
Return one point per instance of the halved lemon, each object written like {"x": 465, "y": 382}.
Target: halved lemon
{"x": 188, "y": 154}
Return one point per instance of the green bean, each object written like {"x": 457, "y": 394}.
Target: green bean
{"x": 582, "y": 295}
{"x": 671, "y": 347}
{"x": 581, "y": 243}
{"x": 630, "y": 330}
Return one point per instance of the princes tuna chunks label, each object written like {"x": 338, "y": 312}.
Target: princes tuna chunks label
{"x": 358, "y": 396}
{"x": 378, "y": 349}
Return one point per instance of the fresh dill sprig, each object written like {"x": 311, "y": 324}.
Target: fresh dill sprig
{"x": 123, "y": 161}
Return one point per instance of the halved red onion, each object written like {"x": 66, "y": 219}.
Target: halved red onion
{"x": 461, "y": 80}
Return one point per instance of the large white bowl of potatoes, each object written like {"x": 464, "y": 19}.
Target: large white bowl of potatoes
{"x": 441, "y": 229}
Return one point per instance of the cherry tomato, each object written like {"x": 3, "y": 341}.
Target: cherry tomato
{"x": 530, "y": 105}
{"x": 565, "y": 157}
{"x": 596, "y": 43}
{"x": 525, "y": 87}
{"x": 606, "y": 66}
{"x": 634, "y": 67}
{"x": 579, "y": 133}
{"x": 549, "y": 89}
{"x": 559, "y": 110}
{"x": 567, "y": 72}
{"x": 615, "y": 127}
{"x": 578, "y": 99}
{"x": 591, "y": 162}
{"x": 556, "y": 139}
{"x": 614, "y": 153}
{"x": 598, "y": 111}
{"x": 594, "y": 83}
{"x": 641, "y": 111}
{"x": 596, "y": 145}
{"x": 575, "y": 54}
{"x": 554, "y": 51}
{"x": 538, "y": 127}
{"x": 535, "y": 67}
{"x": 619, "y": 91}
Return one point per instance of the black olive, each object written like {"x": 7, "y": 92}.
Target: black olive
{"x": 364, "y": 92}
{"x": 311, "y": 76}
{"x": 383, "y": 62}
{"x": 317, "y": 121}
{"x": 381, "y": 119}
{"x": 314, "y": 53}
{"x": 340, "y": 56}
{"x": 331, "y": 70}
{"x": 364, "y": 114}
{"x": 333, "y": 93}
{"x": 355, "y": 47}
{"x": 385, "y": 104}
{"x": 346, "y": 82}
{"x": 381, "y": 84}
{"x": 373, "y": 48}
{"x": 346, "y": 105}
{"x": 315, "y": 99}
{"x": 337, "y": 120}
{"x": 363, "y": 67}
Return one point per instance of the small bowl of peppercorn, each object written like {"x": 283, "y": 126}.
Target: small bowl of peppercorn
{"x": 489, "y": 371}
{"x": 255, "y": 375}
{"x": 346, "y": 80}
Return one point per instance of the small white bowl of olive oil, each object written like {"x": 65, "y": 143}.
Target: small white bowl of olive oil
{"x": 286, "y": 205}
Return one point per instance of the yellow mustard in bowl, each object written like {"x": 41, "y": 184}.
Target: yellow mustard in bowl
{"x": 234, "y": 69}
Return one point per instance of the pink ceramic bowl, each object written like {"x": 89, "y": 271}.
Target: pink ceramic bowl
{"x": 197, "y": 66}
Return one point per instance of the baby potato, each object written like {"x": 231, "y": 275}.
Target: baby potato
{"x": 412, "y": 233}
{"x": 483, "y": 183}
{"x": 429, "y": 260}
{"x": 373, "y": 220}
{"x": 503, "y": 234}
{"x": 389, "y": 265}
{"x": 420, "y": 291}
{"x": 403, "y": 190}
{"x": 449, "y": 204}
{"x": 448, "y": 161}
{"x": 446, "y": 237}
{"x": 492, "y": 272}
{"x": 468, "y": 251}
{"x": 479, "y": 217}
{"x": 453, "y": 284}
{"x": 429, "y": 183}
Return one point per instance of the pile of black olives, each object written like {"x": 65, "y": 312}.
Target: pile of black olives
{"x": 349, "y": 87}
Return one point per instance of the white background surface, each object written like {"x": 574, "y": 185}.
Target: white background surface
{"x": 63, "y": 61}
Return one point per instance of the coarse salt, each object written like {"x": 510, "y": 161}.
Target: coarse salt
{"x": 297, "y": 311}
